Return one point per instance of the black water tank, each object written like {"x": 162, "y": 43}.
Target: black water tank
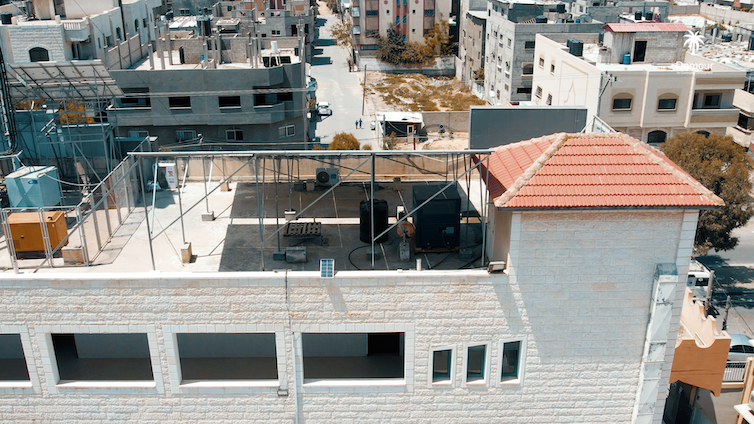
{"x": 438, "y": 223}
{"x": 727, "y": 37}
{"x": 6, "y": 18}
{"x": 637, "y": 16}
{"x": 380, "y": 221}
{"x": 169, "y": 15}
{"x": 560, "y": 8}
{"x": 181, "y": 55}
{"x": 541, "y": 19}
{"x": 575, "y": 47}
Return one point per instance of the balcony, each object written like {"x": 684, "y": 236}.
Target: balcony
{"x": 76, "y": 31}
{"x": 714, "y": 117}
{"x": 701, "y": 352}
{"x": 268, "y": 114}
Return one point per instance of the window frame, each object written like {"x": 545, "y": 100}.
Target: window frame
{"x": 49, "y": 361}
{"x": 450, "y": 382}
{"x": 171, "y": 332}
{"x": 235, "y": 132}
{"x": 185, "y": 130}
{"x": 667, "y": 98}
{"x": 170, "y": 102}
{"x": 226, "y": 98}
{"x": 622, "y": 109}
{"x": 719, "y": 100}
{"x": 287, "y": 129}
{"x": 529, "y": 45}
{"x": 32, "y": 385}
{"x": 484, "y": 381}
{"x": 519, "y": 379}
{"x": 542, "y": 62}
{"x": 406, "y": 385}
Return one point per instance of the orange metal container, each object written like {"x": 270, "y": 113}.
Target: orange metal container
{"x": 26, "y": 230}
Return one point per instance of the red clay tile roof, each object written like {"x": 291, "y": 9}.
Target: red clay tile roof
{"x": 590, "y": 171}
{"x": 646, "y": 27}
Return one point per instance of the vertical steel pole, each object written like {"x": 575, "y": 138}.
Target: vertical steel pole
{"x": 204, "y": 178}
{"x": 259, "y": 213}
{"x": 180, "y": 208}
{"x": 9, "y": 241}
{"x": 45, "y": 236}
{"x": 485, "y": 199}
{"x": 82, "y": 236}
{"x": 371, "y": 208}
{"x": 146, "y": 213}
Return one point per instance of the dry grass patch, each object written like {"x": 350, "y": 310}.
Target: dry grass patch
{"x": 416, "y": 92}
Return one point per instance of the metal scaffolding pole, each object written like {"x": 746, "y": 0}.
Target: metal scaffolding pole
{"x": 146, "y": 214}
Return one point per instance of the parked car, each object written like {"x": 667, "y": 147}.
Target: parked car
{"x": 323, "y": 108}
{"x": 373, "y": 125}
{"x": 741, "y": 348}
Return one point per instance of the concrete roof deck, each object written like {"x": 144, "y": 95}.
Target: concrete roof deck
{"x": 231, "y": 242}
{"x": 145, "y": 65}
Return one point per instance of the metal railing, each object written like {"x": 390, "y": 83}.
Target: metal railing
{"x": 734, "y": 372}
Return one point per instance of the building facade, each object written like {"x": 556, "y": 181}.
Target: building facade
{"x": 651, "y": 98}
{"x": 511, "y": 29}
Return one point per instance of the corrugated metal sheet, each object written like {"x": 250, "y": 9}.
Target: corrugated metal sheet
{"x": 647, "y": 27}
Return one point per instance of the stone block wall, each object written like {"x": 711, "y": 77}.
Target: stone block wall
{"x": 577, "y": 293}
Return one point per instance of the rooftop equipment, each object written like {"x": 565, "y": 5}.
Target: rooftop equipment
{"x": 33, "y": 187}
{"x": 380, "y": 221}
{"x": 26, "y": 230}
{"x": 438, "y": 223}
{"x": 575, "y": 47}
{"x": 541, "y": 19}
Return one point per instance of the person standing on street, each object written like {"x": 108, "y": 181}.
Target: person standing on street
{"x": 357, "y": 125}
{"x": 360, "y": 124}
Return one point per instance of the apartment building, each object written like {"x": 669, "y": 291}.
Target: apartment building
{"x": 72, "y": 30}
{"x": 572, "y": 311}
{"x": 210, "y": 93}
{"x": 371, "y": 19}
{"x": 471, "y": 51}
{"x": 511, "y": 28}
{"x": 639, "y": 80}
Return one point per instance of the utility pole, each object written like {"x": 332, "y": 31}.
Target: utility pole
{"x": 364, "y": 91}
{"x": 304, "y": 92}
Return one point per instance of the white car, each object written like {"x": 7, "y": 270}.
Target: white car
{"x": 323, "y": 108}
{"x": 741, "y": 348}
{"x": 373, "y": 125}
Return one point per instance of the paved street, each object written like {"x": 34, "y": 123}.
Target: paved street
{"x": 336, "y": 85}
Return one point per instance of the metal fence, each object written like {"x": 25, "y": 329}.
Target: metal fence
{"x": 734, "y": 372}
{"x": 91, "y": 223}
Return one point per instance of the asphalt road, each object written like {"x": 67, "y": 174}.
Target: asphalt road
{"x": 336, "y": 85}
{"x": 734, "y": 276}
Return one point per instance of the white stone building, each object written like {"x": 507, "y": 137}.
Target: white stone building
{"x": 639, "y": 81}
{"x": 74, "y": 30}
{"x": 578, "y": 325}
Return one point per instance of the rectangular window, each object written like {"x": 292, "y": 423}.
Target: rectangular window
{"x": 286, "y": 131}
{"x": 12, "y": 360}
{"x": 135, "y": 102}
{"x": 234, "y": 135}
{"x": 353, "y": 355}
{"x": 227, "y": 356}
{"x": 541, "y": 62}
{"x": 229, "y": 101}
{"x": 184, "y": 12}
{"x": 508, "y": 42}
{"x": 442, "y": 366}
{"x": 745, "y": 122}
{"x": 98, "y": 357}
{"x": 183, "y": 102}
{"x": 510, "y": 361}
{"x": 538, "y": 93}
{"x": 265, "y": 99}
{"x": 666, "y": 104}
{"x": 476, "y": 363}
{"x": 621, "y": 104}
{"x": 549, "y": 99}
{"x": 552, "y": 68}
{"x": 523, "y": 90}
{"x": 711, "y": 101}
{"x": 185, "y": 135}
{"x": 640, "y": 51}
{"x": 528, "y": 45}
{"x": 429, "y": 13}
{"x": 285, "y": 97}
{"x": 372, "y": 12}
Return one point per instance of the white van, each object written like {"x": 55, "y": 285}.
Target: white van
{"x": 700, "y": 281}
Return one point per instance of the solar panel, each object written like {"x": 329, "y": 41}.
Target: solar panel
{"x": 327, "y": 268}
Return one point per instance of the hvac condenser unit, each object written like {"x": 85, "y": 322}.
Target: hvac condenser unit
{"x": 327, "y": 177}
{"x": 33, "y": 187}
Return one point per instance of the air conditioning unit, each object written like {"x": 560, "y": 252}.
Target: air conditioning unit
{"x": 327, "y": 177}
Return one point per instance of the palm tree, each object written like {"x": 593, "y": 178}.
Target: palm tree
{"x": 694, "y": 41}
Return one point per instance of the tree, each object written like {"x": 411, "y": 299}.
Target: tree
{"x": 344, "y": 141}
{"x": 391, "y": 46}
{"x": 723, "y": 167}
{"x": 341, "y": 32}
{"x": 438, "y": 39}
